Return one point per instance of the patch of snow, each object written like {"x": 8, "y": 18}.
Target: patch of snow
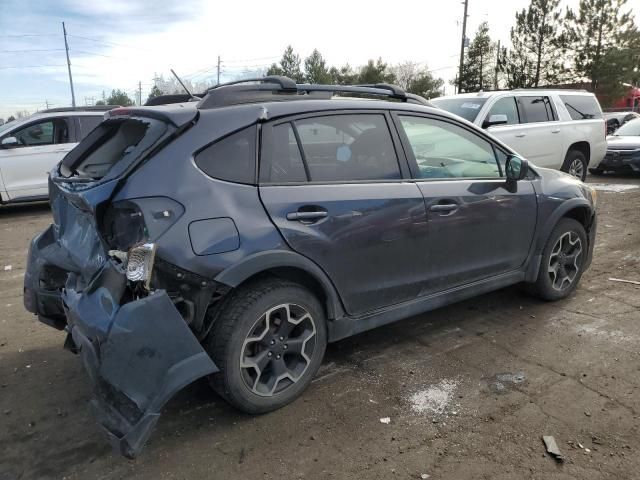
{"x": 385, "y": 420}
{"x": 435, "y": 398}
{"x": 613, "y": 187}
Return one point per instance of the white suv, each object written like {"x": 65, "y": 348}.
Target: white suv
{"x": 561, "y": 129}
{"x": 32, "y": 146}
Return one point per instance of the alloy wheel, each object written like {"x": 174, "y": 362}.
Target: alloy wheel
{"x": 564, "y": 261}
{"x": 576, "y": 169}
{"x": 278, "y": 349}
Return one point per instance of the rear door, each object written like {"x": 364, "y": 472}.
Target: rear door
{"x": 43, "y": 143}
{"x": 336, "y": 188}
{"x": 541, "y": 135}
{"x": 478, "y": 226}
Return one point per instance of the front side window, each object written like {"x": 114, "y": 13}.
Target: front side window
{"x": 444, "y": 150}
{"x": 505, "y": 106}
{"x": 347, "y": 148}
{"x": 36, "y": 134}
{"x": 537, "y": 109}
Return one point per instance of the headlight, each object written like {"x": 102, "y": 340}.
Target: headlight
{"x": 140, "y": 263}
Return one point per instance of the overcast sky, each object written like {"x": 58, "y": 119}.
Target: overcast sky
{"x": 118, "y": 43}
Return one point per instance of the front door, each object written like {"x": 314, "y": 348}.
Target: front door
{"x": 333, "y": 185}
{"x": 478, "y": 226}
{"x": 41, "y": 145}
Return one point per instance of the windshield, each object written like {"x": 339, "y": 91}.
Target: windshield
{"x": 630, "y": 129}
{"x": 6, "y": 126}
{"x": 465, "y": 107}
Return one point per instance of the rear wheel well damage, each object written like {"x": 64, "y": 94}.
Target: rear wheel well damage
{"x": 291, "y": 274}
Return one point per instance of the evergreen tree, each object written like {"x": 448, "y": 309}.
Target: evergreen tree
{"x": 538, "y": 46}
{"x": 601, "y": 32}
{"x": 376, "y": 72}
{"x": 478, "y": 72}
{"x": 155, "y": 92}
{"x": 289, "y": 66}
{"x": 119, "y": 97}
{"x": 344, "y": 75}
{"x": 315, "y": 68}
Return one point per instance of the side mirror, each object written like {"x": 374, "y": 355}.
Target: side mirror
{"x": 10, "y": 142}
{"x": 516, "y": 168}
{"x": 498, "y": 119}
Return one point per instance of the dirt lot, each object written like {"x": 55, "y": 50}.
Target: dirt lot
{"x": 469, "y": 389}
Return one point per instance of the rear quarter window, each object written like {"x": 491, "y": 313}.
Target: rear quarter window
{"x": 233, "y": 158}
{"x": 87, "y": 124}
{"x": 582, "y": 107}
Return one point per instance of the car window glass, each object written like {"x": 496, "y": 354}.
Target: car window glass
{"x": 285, "y": 163}
{"x": 88, "y": 123}
{"x": 582, "y": 107}
{"x": 232, "y": 159}
{"x": 537, "y": 109}
{"x": 444, "y": 150}
{"x": 348, "y": 148}
{"x": 36, "y": 134}
{"x": 505, "y": 106}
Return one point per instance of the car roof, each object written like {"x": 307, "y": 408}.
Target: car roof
{"x": 520, "y": 92}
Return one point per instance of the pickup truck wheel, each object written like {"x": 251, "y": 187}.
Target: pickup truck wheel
{"x": 575, "y": 164}
{"x": 268, "y": 343}
{"x": 562, "y": 260}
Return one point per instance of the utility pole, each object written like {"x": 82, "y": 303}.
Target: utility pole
{"x": 139, "y": 93}
{"x": 66, "y": 47}
{"x": 495, "y": 82}
{"x": 218, "y": 69}
{"x": 464, "y": 38}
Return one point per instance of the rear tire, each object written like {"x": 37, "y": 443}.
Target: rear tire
{"x": 575, "y": 164}
{"x": 268, "y": 342}
{"x": 596, "y": 171}
{"x": 562, "y": 260}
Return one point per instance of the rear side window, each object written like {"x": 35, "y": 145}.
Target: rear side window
{"x": 537, "y": 109}
{"x": 88, "y": 123}
{"x": 582, "y": 107}
{"x": 348, "y": 148}
{"x": 232, "y": 158}
{"x": 286, "y": 164}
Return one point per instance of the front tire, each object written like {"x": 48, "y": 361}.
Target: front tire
{"x": 575, "y": 164}
{"x": 562, "y": 260}
{"x": 268, "y": 342}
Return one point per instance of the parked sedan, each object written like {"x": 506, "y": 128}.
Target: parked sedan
{"x": 616, "y": 119}
{"x": 623, "y": 150}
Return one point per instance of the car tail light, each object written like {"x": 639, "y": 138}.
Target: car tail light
{"x": 140, "y": 263}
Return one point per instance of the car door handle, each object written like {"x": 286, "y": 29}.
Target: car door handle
{"x": 555, "y": 131}
{"x": 447, "y": 207}
{"x": 521, "y": 135}
{"x": 306, "y": 216}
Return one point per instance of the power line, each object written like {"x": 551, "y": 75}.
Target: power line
{"x": 104, "y": 42}
{"x": 30, "y": 66}
{"x": 33, "y": 50}
{"x": 30, "y": 35}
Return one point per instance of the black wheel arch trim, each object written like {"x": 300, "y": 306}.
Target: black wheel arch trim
{"x": 550, "y": 223}
{"x": 264, "y": 261}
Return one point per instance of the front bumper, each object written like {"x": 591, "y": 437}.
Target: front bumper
{"x": 138, "y": 352}
{"x": 621, "y": 161}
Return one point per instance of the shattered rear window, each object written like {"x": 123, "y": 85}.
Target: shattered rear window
{"x": 113, "y": 141}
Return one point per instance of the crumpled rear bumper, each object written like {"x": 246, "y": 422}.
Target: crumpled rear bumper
{"x": 138, "y": 352}
{"x": 138, "y": 356}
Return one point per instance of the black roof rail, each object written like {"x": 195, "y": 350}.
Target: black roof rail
{"x": 172, "y": 98}
{"x": 279, "y": 88}
{"x": 92, "y": 108}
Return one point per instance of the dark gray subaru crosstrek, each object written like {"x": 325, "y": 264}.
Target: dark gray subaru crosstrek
{"x": 234, "y": 237}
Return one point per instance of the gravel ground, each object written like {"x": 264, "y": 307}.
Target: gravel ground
{"x": 468, "y": 390}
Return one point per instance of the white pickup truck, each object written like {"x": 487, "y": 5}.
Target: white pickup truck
{"x": 561, "y": 129}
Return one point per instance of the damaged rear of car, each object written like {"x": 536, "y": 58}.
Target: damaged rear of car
{"x": 90, "y": 273}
